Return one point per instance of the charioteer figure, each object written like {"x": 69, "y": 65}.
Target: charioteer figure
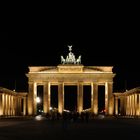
{"x": 70, "y": 58}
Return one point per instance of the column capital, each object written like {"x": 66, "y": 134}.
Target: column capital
{"x": 109, "y": 82}
{"x": 30, "y": 82}
{"x": 45, "y": 83}
{"x": 94, "y": 83}
{"x": 60, "y": 81}
{"x": 80, "y": 82}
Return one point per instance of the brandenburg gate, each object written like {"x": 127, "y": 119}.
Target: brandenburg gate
{"x": 70, "y": 72}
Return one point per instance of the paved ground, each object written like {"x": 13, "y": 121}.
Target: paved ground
{"x": 106, "y": 128}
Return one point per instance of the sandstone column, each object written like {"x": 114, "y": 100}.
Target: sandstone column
{"x": 12, "y": 105}
{"x": 133, "y": 105}
{"x": 9, "y": 108}
{"x": 8, "y": 104}
{"x": 1, "y": 105}
{"x": 60, "y": 97}
{"x": 94, "y": 98}
{"x": 34, "y": 99}
{"x": 46, "y": 98}
{"x": 3, "y": 98}
{"x": 139, "y": 104}
{"x": 127, "y": 106}
{"x": 109, "y": 99}
{"x": 24, "y": 106}
{"x": 30, "y": 98}
{"x": 130, "y": 104}
{"x": 122, "y": 105}
{"x": 80, "y": 97}
{"x": 116, "y": 106}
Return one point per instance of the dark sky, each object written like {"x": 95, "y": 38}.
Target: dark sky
{"x": 103, "y": 36}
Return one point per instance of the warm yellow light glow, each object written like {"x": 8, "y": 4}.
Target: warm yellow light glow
{"x": 30, "y": 111}
{"x": 38, "y": 100}
{"x": 39, "y": 118}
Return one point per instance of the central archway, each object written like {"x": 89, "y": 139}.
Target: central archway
{"x": 70, "y": 98}
{"x": 86, "y": 97}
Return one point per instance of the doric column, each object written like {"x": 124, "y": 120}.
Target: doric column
{"x": 34, "y": 99}
{"x": 20, "y": 106}
{"x": 109, "y": 99}
{"x": 139, "y": 104}
{"x": 133, "y": 105}
{"x": 30, "y": 98}
{"x": 8, "y": 106}
{"x": 32, "y": 106}
{"x": 94, "y": 98}
{"x": 3, "y": 99}
{"x": 17, "y": 106}
{"x": 60, "y": 97}
{"x": 12, "y": 105}
{"x": 127, "y": 105}
{"x": 1, "y": 105}
{"x": 80, "y": 97}
{"x": 116, "y": 106}
{"x": 122, "y": 111}
{"x": 92, "y": 110}
{"x": 24, "y": 106}
{"x": 46, "y": 98}
{"x": 130, "y": 99}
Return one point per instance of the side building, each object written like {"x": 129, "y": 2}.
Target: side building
{"x": 12, "y": 103}
{"x": 128, "y": 103}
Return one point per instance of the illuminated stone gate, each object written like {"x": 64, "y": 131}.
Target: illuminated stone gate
{"x": 70, "y": 72}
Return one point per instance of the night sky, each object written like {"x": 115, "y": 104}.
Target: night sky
{"x": 104, "y": 37}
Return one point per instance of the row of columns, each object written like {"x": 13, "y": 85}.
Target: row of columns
{"x": 32, "y": 105}
{"x": 10, "y": 105}
{"x": 129, "y": 105}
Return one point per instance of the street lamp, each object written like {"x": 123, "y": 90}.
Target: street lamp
{"x": 38, "y": 100}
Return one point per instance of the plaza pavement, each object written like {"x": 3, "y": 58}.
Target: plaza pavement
{"x": 39, "y": 128}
